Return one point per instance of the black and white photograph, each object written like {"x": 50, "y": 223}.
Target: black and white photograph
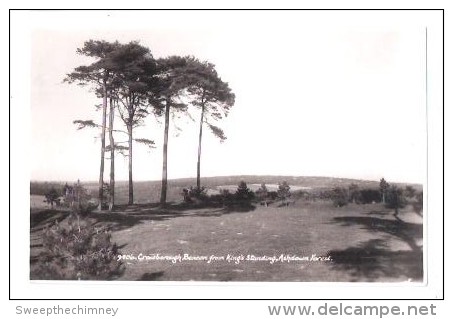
{"x": 230, "y": 146}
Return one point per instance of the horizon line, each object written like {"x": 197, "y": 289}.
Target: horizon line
{"x": 238, "y": 175}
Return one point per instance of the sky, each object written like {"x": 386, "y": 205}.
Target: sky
{"x": 317, "y": 94}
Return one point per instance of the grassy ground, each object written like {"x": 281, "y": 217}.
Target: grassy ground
{"x": 364, "y": 242}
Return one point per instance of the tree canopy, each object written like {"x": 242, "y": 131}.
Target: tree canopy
{"x": 137, "y": 85}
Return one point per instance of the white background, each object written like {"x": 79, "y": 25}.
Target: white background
{"x": 22, "y": 288}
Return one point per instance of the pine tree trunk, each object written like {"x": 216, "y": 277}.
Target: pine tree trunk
{"x": 199, "y": 149}
{"x": 163, "y": 194}
{"x": 101, "y": 169}
{"x": 131, "y": 186}
{"x": 112, "y": 157}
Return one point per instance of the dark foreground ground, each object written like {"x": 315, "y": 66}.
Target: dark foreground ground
{"x": 358, "y": 243}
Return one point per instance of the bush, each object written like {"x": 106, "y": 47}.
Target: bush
{"x": 78, "y": 199}
{"x": 395, "y": 198}
{"x": 243, "y": 193}
{"x": 369, "y": 196}
{"x": 283, "y": 191}
{"x": 339, "y": 196}
{"x": 77, "y": 251}
{"x": 324, "y": 194}
{"x": 409, "y": 192}
{"x": 226, "y": 197}
{"x": 272, "y": 195}
{"x": 53, "y": 197}
{"x": 261, "y": 193}
{"x": 194, "y": 193}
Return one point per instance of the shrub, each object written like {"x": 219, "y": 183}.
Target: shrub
{"x": 272, "y": 195}
{"x": 339, "y": 196}
{"x": 78, "y": 250}
{"x": 370, "y": 195}
{"x": 194, "y": 193}
{"x": 409, "y": 192}
{"x": 283, "y": 191}
{"x": 325, "y": 194}
{"x": 261, "y": 193}
{"x": 243, "y": 193}
{"x": 186, "y": 195}
{"x": 354, "y": 193}
{"x": 52, "y": 197}
{"x": 224, "y": 198}
{"x": 78, "y": 199}
{"x": 395, "y": 198}
{"x": 198, "y": 192}
{"x": 227, "y": 197}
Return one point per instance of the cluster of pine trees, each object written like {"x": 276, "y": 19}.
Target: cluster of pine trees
{"x": 133, "y": 85}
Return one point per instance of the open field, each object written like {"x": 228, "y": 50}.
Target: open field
{"x": 360, "y": 243}
{"x": 365, "y": 243}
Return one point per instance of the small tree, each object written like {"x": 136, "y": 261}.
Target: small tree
{"x": 78, "y": 198}
{"x": 383, "y": 187}
{"x": 283, "y": 191}
{"x": 243, "y": 193}
{"x": 340, "y": 196}
{"x": 98, "y": 74}
{"x": 52, "y": 197}
{"x": 226, "y": 196}
{"x": 409, "y": 192}
{"x": 396, "y": 199}
{"x": 370, "y": 196}
{"x": 197, "y": 193}
{"x": 262, "y": 194}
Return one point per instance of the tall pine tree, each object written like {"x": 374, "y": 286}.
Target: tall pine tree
{"x": 100, "y": 76}
{"x": 212, "y": 96}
